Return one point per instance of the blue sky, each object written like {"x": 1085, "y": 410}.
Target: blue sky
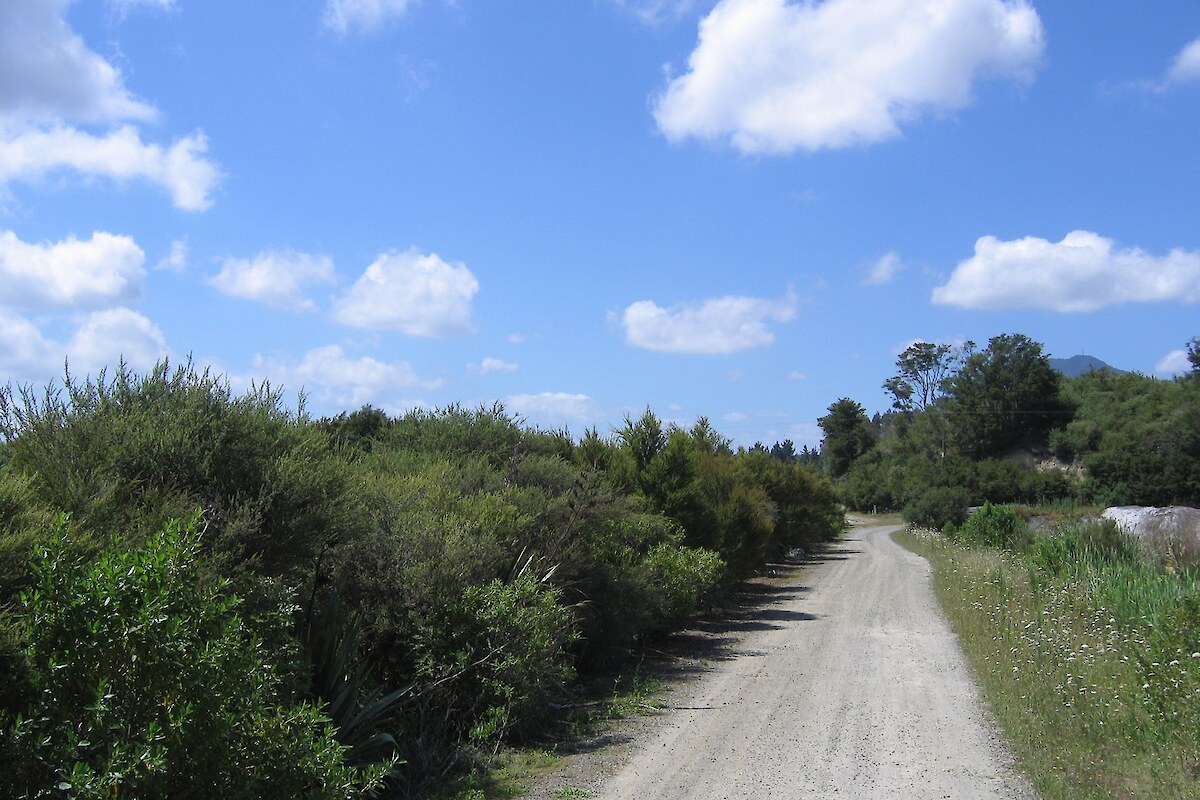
{"x": 741, "y": 209}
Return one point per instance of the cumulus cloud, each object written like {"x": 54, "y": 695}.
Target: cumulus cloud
{"x": 181, "y": 169}
{"x": 101, "y": 340}
{"x": 330, "y": 375}
{"x": 1083, "y": 272}
{"x": 50, "y": 82}
{"x": 25, "y": 355}
{"x": 107, "y": 337}
{"x": 101, "y": 271}
{"x": 553, "y": 408}
{"x": 490, "y": 365}
{"x": 1172, "y": 364}
{"x": 773, "y": 76}
{"x": 364, "y": 16}
{"x": 1187, "y": 64}
{"x": 723, "y": 325}
{"x": 416, "y": 294}
{"x": 884, "y": 270}
{"x": 278, "y": 279}
{"x": 47, "y": 73}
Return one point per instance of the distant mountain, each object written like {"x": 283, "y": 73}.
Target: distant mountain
{"x": 1075, "y": 366}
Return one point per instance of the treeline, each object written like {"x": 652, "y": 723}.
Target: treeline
{"x": 999, "y": 425}
{"x": 206, "y": 594}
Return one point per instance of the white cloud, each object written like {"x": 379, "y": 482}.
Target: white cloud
{"x": 278, "y": 279}
{"x": 554, "y": 408}
{"x": 884, "y": 270}
{"x": 49, "y": 79}
{"x": 106, "y": 337}
{"x": 723, "y": 325}
{"x": 47, "y": 73}
{"x": 1172, "y": 364}
{"x": 181, "y": 169}
{"x": 25, "y": 355}
{"x": 1187, "y": 64}
{"x": 365, "y": 16}
{"x": 330, "y": 375}
{"x": 176, "y": 260}
{"x": 1185, "y": 68}
{"x": 490, "y": 365}
{"x": 420, "y": 295}
{"x": 797, "y": 375}
{"x": 1083, "y": 272}
{"x": 102, "y": 271}
{"x": 101, "y": 340}
{"x": 735, "y": 416}
{"x": 772, "y": 76}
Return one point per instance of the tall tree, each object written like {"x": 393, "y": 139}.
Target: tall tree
{"x": 848, "y": 434}
{"x": 708, "y": 439}
{"x": 1003, "y": 396}
{"x": 923, "y": 369}
{"x": 644, "y": 438}
{"x": 784, "y": 451}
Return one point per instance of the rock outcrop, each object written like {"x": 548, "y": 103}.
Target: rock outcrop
{"x": 1171, "y": 534}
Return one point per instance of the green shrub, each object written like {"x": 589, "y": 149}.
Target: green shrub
{"x": 1044, "y": 487}
{"x": 938, "y": 507}
{"x": 123, "y": 454}
{"x": 997, "y": 480}
{"x": 993, "y": 526}
{"x": 685, "y": 578}
{"x": 486, "y": 667}
{"x": 25, "y": 522}
{"x": 149, "y": 683}
{"x": 870, "y": 485}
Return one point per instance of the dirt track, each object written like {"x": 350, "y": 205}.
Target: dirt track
{"x": 845, "y": 684}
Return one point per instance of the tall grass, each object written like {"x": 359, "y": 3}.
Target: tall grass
{"x": 1089, "y": 658}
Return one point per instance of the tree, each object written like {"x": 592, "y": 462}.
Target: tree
{"x": 923, "y": 370}
{"x": 1193, "y": 354}
{"x": 708, "y": 439}
{"x": 1003, "y": 396}
{"x": 784, "y": 451}
{"x": 644, "y": 438}
{"x": 848, "y": 434}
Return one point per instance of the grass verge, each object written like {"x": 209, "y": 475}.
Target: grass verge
{"x": 1093, "y": 670}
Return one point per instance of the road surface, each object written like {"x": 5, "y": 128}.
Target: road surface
{"x": 845, "y": 683}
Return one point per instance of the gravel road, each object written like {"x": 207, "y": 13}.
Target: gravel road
{"x": 845, "y": 682}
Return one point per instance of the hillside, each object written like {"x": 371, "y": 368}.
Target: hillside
{"x": 1075, "y": 366}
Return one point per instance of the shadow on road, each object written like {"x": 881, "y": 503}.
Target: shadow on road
{"x": 687, "y": 655}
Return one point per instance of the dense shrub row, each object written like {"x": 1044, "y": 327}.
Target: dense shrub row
{"x": 432, "y": 581}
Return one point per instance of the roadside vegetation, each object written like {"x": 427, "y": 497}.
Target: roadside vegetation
{"x": 969, "y": 426}
{"x": 207, "y": 594}
{"x": 1088, "y": 655}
